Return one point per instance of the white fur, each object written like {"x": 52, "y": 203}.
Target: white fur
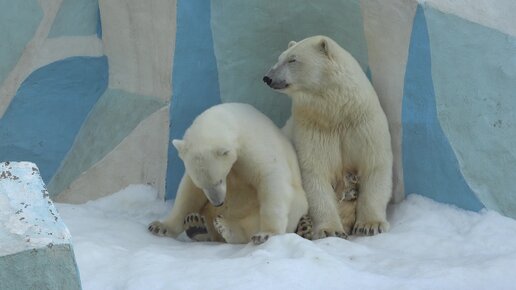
{"x": 337, "y": 127}
{"x": 238, "y": 155}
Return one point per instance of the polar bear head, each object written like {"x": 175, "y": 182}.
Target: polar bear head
{"x": 208, "y": 166}
{"x": 306, "y": 66}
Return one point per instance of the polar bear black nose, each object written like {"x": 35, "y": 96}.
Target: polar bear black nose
{"x": 267, "y": 80}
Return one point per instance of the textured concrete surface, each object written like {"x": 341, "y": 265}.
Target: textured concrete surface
{"x": 195, "y": 82}
{"x": 48, "y": 111}
{"x": 139, "y": 41}
{"x": 474, "y": 74}
{"x": 246, "y": 49}
{"x": 18, "y": 22}
{"x": 497, "y": 14}
{"x": 387, "y": 28}
{"x": 133, "y": 161}
{"x": 430, "y": 165}
{"x": 115, "y": 115}
{"x": 76, "y": 18}
{"x": 23, "y": 65}
{"x": 35, "y": 245}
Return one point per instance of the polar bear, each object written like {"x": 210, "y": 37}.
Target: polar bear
{"x": 242, "y": 180}
{"x": 346, "y": 193}
{"x": 337, "y": 127}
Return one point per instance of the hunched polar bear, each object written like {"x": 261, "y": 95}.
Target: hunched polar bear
{"x": 242, "y": 179}
{"x": 338, "y": 128}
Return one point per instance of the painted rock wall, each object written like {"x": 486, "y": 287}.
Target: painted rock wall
{"x": 85, "y": 90}
{"x": 108, "y": 83}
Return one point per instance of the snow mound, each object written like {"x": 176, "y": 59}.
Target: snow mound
{"x": 430, "y": 246}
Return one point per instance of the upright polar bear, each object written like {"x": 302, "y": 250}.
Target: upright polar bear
{"x": 242, "y": 176}
{"x": 338, "y": 127}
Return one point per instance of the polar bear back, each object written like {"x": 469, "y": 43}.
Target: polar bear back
{"x": 259, "y": 139}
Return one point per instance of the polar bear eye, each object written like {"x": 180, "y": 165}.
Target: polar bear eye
{"x": 292, "y": 60}
{"x": 222, "y": 152}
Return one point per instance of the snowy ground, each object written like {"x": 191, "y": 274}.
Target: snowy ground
{"x": 429, "y": 246}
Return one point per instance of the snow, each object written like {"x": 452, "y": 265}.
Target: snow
{"x": 429, "y": 246}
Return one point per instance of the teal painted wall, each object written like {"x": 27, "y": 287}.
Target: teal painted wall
{"x": 49, "y": 109}
{"x": 18, "y": 22}
{"x": 474, "y": 73}
{"x": 76, "y": 17}
{"x": 250, "y": 35}
{"x": 113, "y": 117}
{"x": 429, "y": 163}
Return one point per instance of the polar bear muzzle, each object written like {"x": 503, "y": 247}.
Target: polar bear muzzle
{"x": 275, "y": 84}
{"x": 216, "y": 194}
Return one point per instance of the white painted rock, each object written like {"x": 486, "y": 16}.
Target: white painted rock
{"x": 35, "y": 244}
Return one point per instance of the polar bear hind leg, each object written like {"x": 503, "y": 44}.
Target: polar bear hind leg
{"x": 195, "y": 228}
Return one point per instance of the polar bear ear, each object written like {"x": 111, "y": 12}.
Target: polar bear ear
{"x": 292, "y": 43}
{"x": 324, "y": 46}
{"x": 180, "y": 145}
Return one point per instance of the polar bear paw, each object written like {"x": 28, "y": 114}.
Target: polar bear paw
{"x": 326, "y": 233}
{"x": 195, "y": 228}
{"x": 349, "y": 195}
{"x": 351, "y": 192}
{"x": 304, "y": 227}
{"x": 222, "y": 228}
{"x": 159, "y": 229}
{"x": 260, "y": 238}
{"x": 370, "y": 228}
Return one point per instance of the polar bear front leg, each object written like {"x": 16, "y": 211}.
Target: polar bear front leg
{"x": 322, "y": 207}
{"x": 274, "y": 198}
{"x": 231, "y": 231}
{"x": 375, "y": 193}
{"x": 304, "y": 227}
{"x": 189, "y": 199}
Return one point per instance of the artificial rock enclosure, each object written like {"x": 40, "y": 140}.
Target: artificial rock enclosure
{"x": 92, "y": 91}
